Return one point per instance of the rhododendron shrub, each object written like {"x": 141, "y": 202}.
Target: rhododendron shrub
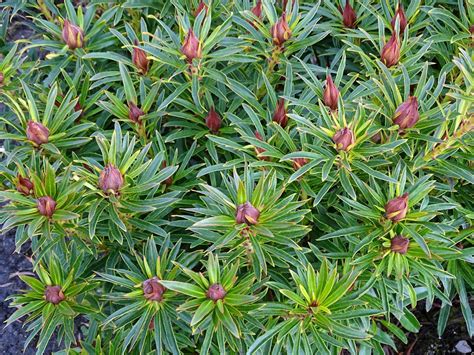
{"x": 230, "y": 177}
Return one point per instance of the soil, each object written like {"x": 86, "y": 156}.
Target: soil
{"x": 455, "y": 339}
{"x": 12, "y": 338}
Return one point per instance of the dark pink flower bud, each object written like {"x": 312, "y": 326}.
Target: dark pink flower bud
{"x": 349, "y": 16}
{"x": 216, "y": 292}
{"x": 24, "y": 186}
{"x": 299, "y": 162}
{"x": 257, "y": 9}
{"x": 280, "y": 114}
{"x": 281, "y": 31}
{"x": 134, "y": 113}
{"x": 37, "y": 133}
{"x": 344, "y": 139}
{"x": 246, "y": 213}
{"x": 260, "y": 150}
{"x": 402, "y": 18}
{"x": 139, "y": 59}
{"x": 201, "y": 6}
{"x": 46, "y": 206}
{"x": 213, "y": 121}
{"x": 390, "y": 54}
{"x": 399, "y": 244}
{"x": 110, "y": 179}
{"x": 331, "y": 94}
{"x": 397, "y": 208}
{"x": 73, "y": 35}
{"x": 153, "y": 290}
{"x": 407, "y": 115}
{"x": 53, "y": 294}
{"x": 191, "y": 46}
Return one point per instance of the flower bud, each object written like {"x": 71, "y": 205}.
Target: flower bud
{"x": 216, "y": 292}
{"x": 399, "y": 244}
{"x": 344, "y": 139}
{"x": 53, "y": 294}
{"x": 73, "y": 35}
{"x": 153, "y": 290}
{"x": 257, "y": 9}
{"x": 37, "y": 133}
{"x": 407, "y": 115}
{"x": 2, "y": 77}
{"x": 201, "y": 6}
{"x": 246, "y": 213}
{"x": 168, "y": 181}
{"x": 213, "y": 121}
{"x": 281, "y": 31}
{"x": 376, "y": 138}
{"x": 401, "y": 18}
{"x": 110, "y": 179}
{"x": 191, "y": 47}
{"x": 397, "y": 208}
{"x": 349, "y": 16}
{"x": 280, "y": 114}
{"x": 46, "y": 206}
{"x": 134, "y": 113}
{"x": 260, "y": 150}
{"x": 139, "y": 59}
{"x": 331, "y": 94}
{"x": 390, "y": 54}
{"x": 24, "y": 186}
{"x": 299, "y": 162}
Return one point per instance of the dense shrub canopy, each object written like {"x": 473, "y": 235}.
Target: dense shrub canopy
{"x": 260, "y": 177}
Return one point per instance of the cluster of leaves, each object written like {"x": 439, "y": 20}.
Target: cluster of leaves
{"x": 238, "y": 176}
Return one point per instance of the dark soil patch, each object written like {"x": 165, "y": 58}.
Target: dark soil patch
{"x": 12, "y": 338}
{"x": 455, "y": 339}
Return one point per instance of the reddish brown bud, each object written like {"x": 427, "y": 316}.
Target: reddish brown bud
{"x": 246, "y": 213}
{"x": 46, "y": 206}
{"x": 216, "y": 292}
{"x": 407, "y": 115}
{"x": 213, "y": 121}
{"x": 202, "y": 6}
{"x": 191, "y": 46}
{"x": 344, "y": 139}
{"x": 110, "y": 179}
{"x": 397, "y": 208}
{"x": 257, "y": 9}
{"x": 153, "y": 290}
{"x": 280, "y": 114}
{"x": 168, "y": 181}
{"x": 331, "y": 94}
{"x": 37, "y": 133}
{"x": 349, "y": 16}
{"x": 139, "y": 59}
{"x": 73, "y": 35}
{"x": 24, "y": 186}
{"x": 299, "y": 162}
{"x": 260, "y": 150}
{"x": 399, "y": 244}
{"x": 390, "y": 54}
{"x": 134, "y": 113}
{"x": 376, "y": 138}
{"x": 53, "y": 294}
{"x": 77, "y": 107}
{"x": 281, "y": 31}
{"x": 401, "y": 18}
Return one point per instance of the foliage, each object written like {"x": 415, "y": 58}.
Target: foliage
{"x": 238, "y": 176}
